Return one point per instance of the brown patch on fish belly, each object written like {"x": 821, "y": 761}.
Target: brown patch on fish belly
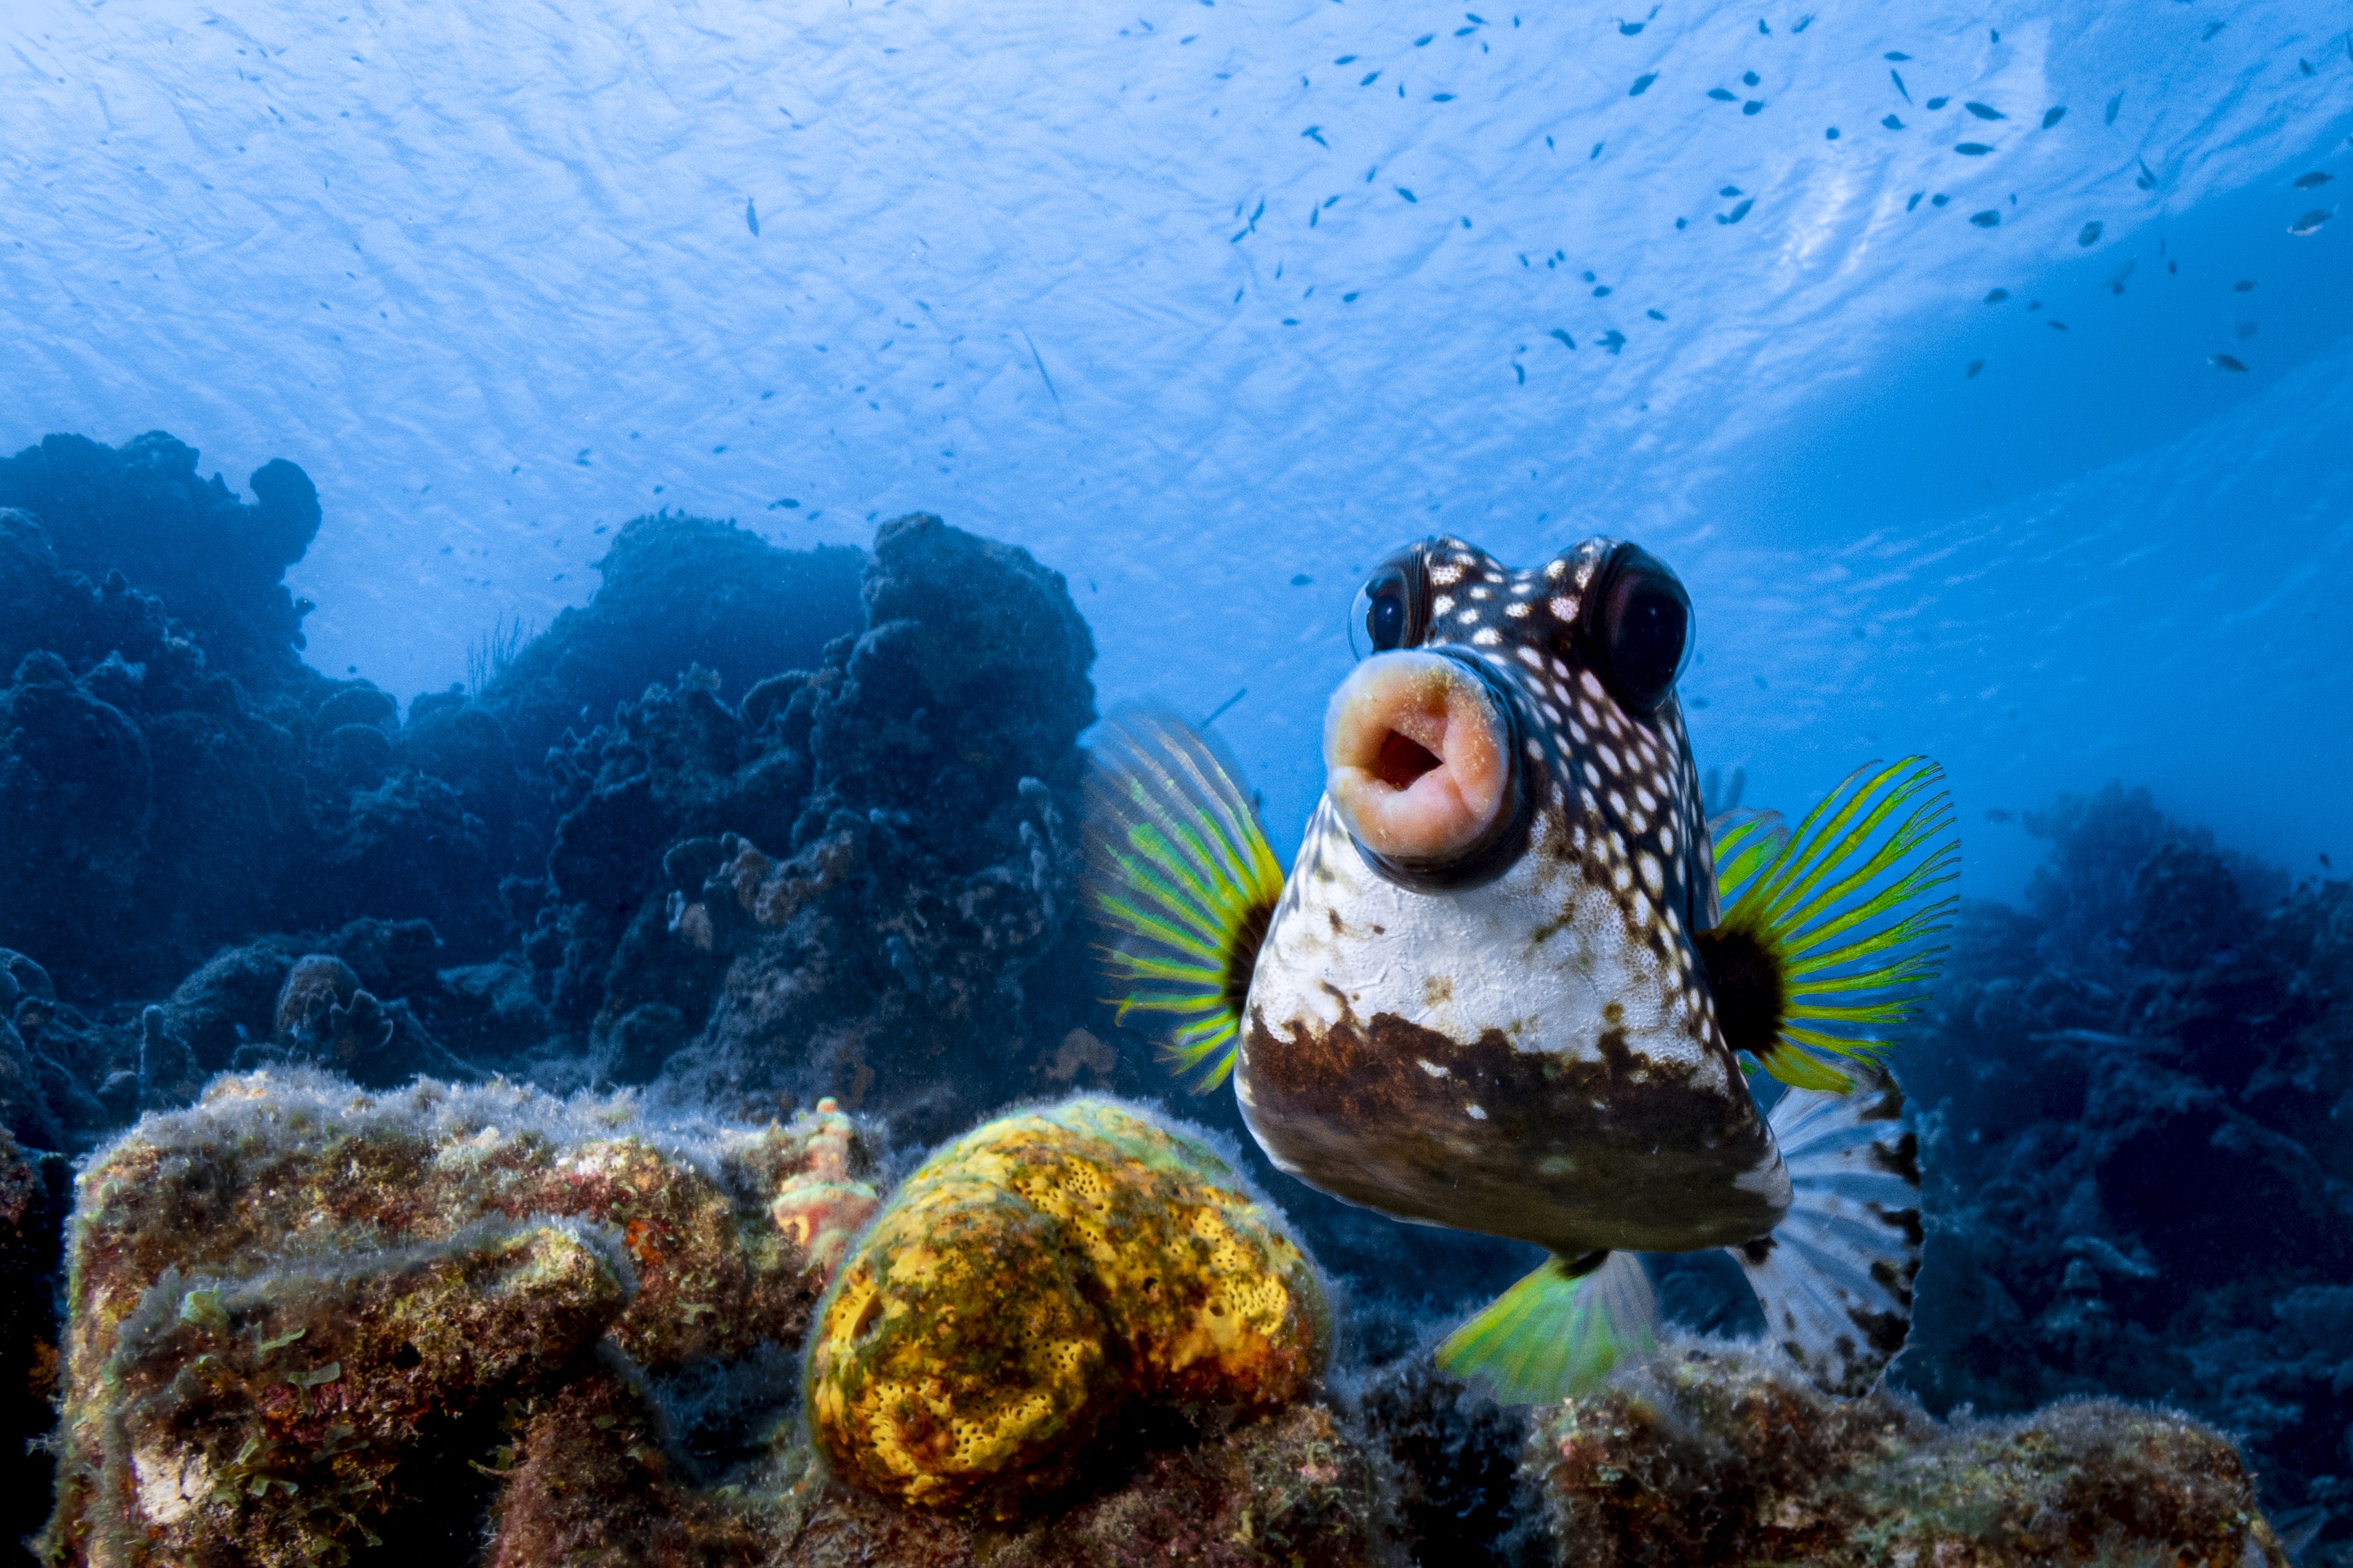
{"x": 1626, "y": 1151}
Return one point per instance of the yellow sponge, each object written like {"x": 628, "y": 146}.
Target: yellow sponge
{"x": 1032, "y": 1278}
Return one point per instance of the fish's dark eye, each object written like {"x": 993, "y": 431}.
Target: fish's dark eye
{"x": 1641, "y": 628}
{"x": 1387, "y": 612}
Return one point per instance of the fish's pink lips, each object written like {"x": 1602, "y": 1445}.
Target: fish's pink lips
{"x": 1416, "y": 757}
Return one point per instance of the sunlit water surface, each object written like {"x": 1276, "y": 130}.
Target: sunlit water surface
{"x": 1210, "y": 304}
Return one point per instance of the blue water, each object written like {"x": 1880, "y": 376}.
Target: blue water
{"x": 1198, "y": 299}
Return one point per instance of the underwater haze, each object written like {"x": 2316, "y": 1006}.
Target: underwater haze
{"x": 1211, "y": 306}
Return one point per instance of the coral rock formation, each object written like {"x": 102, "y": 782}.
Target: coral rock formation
{"x": 1031, "y": 1282}
{"x": 296, "y": 1306}
{"x": 1709, "y": 1455}
{"x": 1293, "y": 1488}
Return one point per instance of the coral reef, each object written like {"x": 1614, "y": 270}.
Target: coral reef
{"x": 1293, "y": 1488}
{"x": 2140, "y": 1162}
{"x": 139, "y": 512}
{"x": 298, "y": 1308}
{"x": 33, "y": 1200}
{"x": 1710, "y": 1455}
{"x": 866, "y": 860}
{"x": 678, "y": 591}
{"x": 1034, "y": 1280}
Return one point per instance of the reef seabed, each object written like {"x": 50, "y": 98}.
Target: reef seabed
{"x": 476, "y": 1100}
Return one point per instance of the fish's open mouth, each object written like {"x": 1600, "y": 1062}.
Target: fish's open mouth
{"x": 1417, "y": 753}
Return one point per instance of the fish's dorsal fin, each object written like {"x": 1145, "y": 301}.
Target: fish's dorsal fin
{"x": 1835, "y": 1275}
{"x": 1180, "y": 875}
{"x": 1825, "y": 945}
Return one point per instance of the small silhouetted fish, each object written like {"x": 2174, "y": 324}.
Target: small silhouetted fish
{"x": 1300, "y": 579}
{"x": 2114, "y": 104}
{"x": 1985, "y": 112}
{"x": 2090, "y": 235}
{"x": 2051, "y": 116}
{"x": 1892, "y": 123}
{"x": 1628, "y": 29}
{"x": 1641, "y": 84}
{"x": 2328, "y": 863}
{"x": 2243, "y": 286}
{"x": 1995, "y": 814}
{"x": 2211, "y": 29}
{"x": 1997, "y": 296}
{"x": 2058, "y": 326}
{"x": 1752, "y": 106}
{"x": 1760, "y": 683}
{"x": 1656, "y": 315}
{"x": 751, "y": 217}
{"x": 2229, "y": 361}
{"x": 1721, "y": 95}
{"x": 1736, "y": 214}
{"x": 1986, "y": 219}
{"x": 1614, "y": 340}
{"x": 1972, "y": 149}
{"x": 1729, "y": 191}
{"x": 1749, "y": 79}
{"x": 1975, "y": 365}
{"x": 1900, "y": 86}
{"x": 1409, "y": 195}
{"x": 1316, "y": 134}
{"x": 1601, "y": 291}
{"x": 1897, "y": 55}
{"x": 2147, "y": 180}
{"x": 2313, "y": 180}
{"x": 1938, "y": 102}
{"x": 2312, "y": 220}
{"x": 1564, "y": 337}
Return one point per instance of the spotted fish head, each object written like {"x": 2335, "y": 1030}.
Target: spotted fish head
{"x": 1480, "y": 1002}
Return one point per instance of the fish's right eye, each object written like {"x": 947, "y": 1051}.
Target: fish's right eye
{"x": 1383, "y": 616}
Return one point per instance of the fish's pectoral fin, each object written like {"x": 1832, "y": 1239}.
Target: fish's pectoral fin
{"x": 1558, "y": 1332}
{"x": 1835, "y": 1275}
{"x": 1829, "y": 932}
{"x": 1179, "y": 874}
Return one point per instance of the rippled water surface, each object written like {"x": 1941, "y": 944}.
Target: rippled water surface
{"x": 1985, "y": 370}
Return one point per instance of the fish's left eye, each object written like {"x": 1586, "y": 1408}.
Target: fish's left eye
{"x": 1387, "y": 614}
{"x": 1641, "y": 628}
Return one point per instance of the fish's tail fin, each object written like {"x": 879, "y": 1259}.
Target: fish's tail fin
{"x": 1558, "y": 1331}
{"x": 1835, "y": 1275}
{"x": 1180, "y": 876}
{"x": 1826, "y": 943}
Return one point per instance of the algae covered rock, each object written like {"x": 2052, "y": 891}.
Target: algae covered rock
{"x": 1292, "y": 1488}
{"x": 299, "y": 1313}
{"x": 1034, "y": 1279}
{"x": 1707, "y": 1455}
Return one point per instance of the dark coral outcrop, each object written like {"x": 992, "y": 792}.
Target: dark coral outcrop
{"x": 139, "y": 512}
{"x": 838, "y": 885}
{"x": 2139, "y": 1157}
{"x": 679, "y": 592}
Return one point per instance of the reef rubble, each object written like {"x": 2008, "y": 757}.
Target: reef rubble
{"x": 298, "y": 1314}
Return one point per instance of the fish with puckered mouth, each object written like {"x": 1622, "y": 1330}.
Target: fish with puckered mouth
{"x": 1518, "y": 982}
